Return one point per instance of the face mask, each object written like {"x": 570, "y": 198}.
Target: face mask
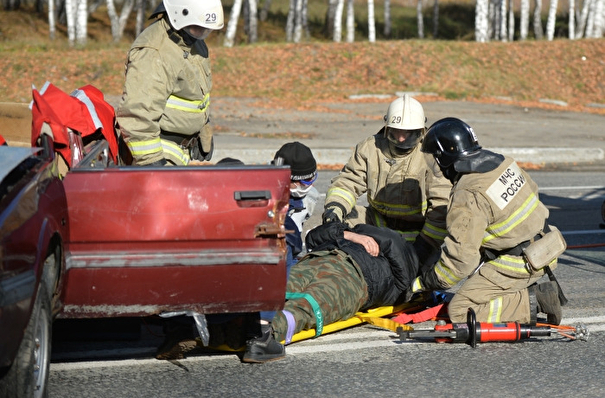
{"x": 300, "y": 191}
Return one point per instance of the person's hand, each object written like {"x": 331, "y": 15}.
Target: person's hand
{"x": 367, "y": 242}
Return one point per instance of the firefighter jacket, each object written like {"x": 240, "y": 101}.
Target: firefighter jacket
{"x": 167, "y": 89}
{"x": 406, "y": 193}
{"x": 387, "y": 275}
{"x": 496, "y": 211}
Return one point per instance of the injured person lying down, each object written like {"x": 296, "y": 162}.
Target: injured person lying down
{"x": 346, "y": 271}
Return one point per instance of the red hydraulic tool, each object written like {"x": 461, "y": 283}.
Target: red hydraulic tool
{"x": 473, "y": 332}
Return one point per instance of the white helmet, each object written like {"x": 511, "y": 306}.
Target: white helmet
{"x": 207, "y": 14}
{"x": 405, "y": 113}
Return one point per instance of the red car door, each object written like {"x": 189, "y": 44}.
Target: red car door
{"x": 148, "y": 240}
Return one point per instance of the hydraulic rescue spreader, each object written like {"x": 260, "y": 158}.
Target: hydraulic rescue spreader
{"x": 472, "y": 332}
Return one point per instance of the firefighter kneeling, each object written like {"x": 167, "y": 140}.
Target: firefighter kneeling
{"x": 501, "y": 242}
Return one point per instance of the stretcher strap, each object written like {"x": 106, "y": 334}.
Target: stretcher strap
{"x": 319, "y": 319}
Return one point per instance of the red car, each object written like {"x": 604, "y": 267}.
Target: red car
{"x": 33, "y": 226}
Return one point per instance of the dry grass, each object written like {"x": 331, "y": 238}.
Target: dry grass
{"x": 306, "y": 74}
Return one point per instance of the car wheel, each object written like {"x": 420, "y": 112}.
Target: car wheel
{"x": 28, "y": 375}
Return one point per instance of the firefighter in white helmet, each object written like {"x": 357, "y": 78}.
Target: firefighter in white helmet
{"x": 405, "y": 188}
{"x": 164, "y": 111}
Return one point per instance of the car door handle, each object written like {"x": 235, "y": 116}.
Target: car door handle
{"x": 252, "y": 195}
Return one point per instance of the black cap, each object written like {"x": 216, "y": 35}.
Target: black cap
{"x": 299, "y": 158}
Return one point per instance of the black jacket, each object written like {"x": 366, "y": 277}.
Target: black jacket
{"x": 388, "y": 275}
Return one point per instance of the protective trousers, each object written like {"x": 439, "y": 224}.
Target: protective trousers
{"x": 336, "y": 284}
{"x": 494, "y": 297}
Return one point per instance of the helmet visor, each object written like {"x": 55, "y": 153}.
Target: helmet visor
{"x": 197, "y": 32}
{"x": 403, "y": 139}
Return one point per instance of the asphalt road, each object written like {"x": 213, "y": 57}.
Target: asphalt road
{"x": 363, "y": 360}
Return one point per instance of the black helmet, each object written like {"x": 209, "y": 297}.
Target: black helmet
{"x": 450, "y": 139}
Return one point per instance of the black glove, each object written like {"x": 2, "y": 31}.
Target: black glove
{"x": 332, "y": 214}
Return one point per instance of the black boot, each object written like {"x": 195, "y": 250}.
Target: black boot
{"x": 547, "y": 300}
{"x": 264, "y": 348}
{"x": 179, "y": 338}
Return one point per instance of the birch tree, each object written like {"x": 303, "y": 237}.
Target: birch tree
{"x": 550, "y": 22}
{"x": 582, "y": 21}
{"x": 52, "y": 27}
{"x": 371, "y": 22}
{"x": 232, "y": 25}
{"x": 524, "y": 20}
{"x": 511, "y": 21}
{"x": 265, "y": 10}
{"x": 350, "y": 21}
{"x": 251, "y": 20}
{"x": 538, "y": 31}
{"x": 298, "y": 21}
{"x": 330, "y": 19}
{"x": 599, "y": 19}
{"x": 118, "y": 22}
{"x": 420, "y": 19}
{"x": 71, "y": 21}
{"x": 337, "y": 21}
{"x": 387, "y": 18}
{"x": 81, "y": 22}
{"x": 481, "y": 21}
{"x": 435, "y": 18}
{"x": 141, "y": 6}
{"x": 503, "y": 25}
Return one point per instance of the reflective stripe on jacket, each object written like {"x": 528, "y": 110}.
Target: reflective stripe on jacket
{"x": 167, "y": 88}
{"x": 405, "y": 193}
{"x": 496, "y": 210}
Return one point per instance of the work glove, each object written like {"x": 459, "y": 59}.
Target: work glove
{"x": 333, "y": 214}
{"x": 415, "y": 287}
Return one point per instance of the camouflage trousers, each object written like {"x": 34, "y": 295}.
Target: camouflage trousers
{"x": 336, "y": 283}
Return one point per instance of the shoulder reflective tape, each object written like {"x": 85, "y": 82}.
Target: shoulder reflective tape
{"x": 496, "y": 230}
{"x": 186, "y": 105}
{"x": 319, "y": 319}
{"x": 393, "y": 209}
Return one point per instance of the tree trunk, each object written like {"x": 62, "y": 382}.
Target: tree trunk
{"x": 290, "y": 21}
{"x": 599, "y": 19}
{"x": 387, "y": 19}
{"x": 524, "y": 20}
{"x": 232, "y": 25}
{"x": 298, "y": 21}
{"x": 140, "y": 22}
{"x": 550, "y": 22}
{"x": 265, "y": 11}
{"x": 252, "y": 21}
{"x": 71, "y": 21}
{"x": 538, "y": 31}
{"x": 371, "y": 22}
{"x": 337, "y": 23}
{"x": 503, "y": 23}
{"x": 435, "y": 18}
{"x": 420, "y": 19}
{"x": 582, "y": 20}
{"x": 52, "y": 22}
{"x": 81, "y": 22}
{"x": 350, "y": 21}
{"x": 330, "y": 18}
{"x": 481, "y": 21}
{"x": 124, "y": 14}
{"x": 511, "y": 21}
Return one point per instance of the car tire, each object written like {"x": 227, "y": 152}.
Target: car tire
{"x": 28, "y": 375}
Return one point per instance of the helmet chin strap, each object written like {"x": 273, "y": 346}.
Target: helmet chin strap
{"x": 450, "y": 173}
